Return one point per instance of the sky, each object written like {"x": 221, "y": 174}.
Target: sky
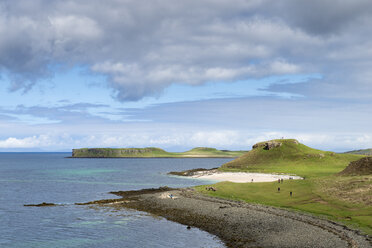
{"x": 184, "y": 74}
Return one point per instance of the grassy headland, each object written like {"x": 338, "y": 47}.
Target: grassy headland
{"x": 361, "y": 152}
{"x": 323, "y": 192}
{"x": 152, "y": 152}
{"x": 291, "y": 157}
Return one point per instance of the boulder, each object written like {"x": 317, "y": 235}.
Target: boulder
{"x": 261, "y": 144}
{"x": 272, "y": 144}
{"x": 267, "y": 145}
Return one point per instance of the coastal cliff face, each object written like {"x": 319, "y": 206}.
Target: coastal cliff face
{"x": 118, "y": 152}
{"x": 151, "y": 152}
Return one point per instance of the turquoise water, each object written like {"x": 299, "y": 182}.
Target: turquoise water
{"x": 27, "y": 178}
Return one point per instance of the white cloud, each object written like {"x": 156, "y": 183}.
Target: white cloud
{"x": 74, "y": 27}
{"x": 143, "y": 47}
{"x": 27, "y": 142}
{"x": 221, "y": 139}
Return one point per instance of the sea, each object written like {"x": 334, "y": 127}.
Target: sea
{"x": 33, "y": 178}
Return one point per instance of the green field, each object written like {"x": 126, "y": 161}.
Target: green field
{"x": 151, "y": 152}
{"x": 347, "y": 199}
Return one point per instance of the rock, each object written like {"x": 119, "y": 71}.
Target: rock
{"x": 319, "y": 155}
{"x": 193, "y": 172}
{"x": 362, "y": 166}
{"x": 258, "y": 145}
{"x": 267, "y": 145}
{"x": 211, "y": 188}
{"x": 272, "y": 144}
{"x": 296, "y": 142}
{"x": 44, "y": 204}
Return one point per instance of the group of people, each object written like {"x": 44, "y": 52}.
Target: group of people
{"x": 281, "y": 181}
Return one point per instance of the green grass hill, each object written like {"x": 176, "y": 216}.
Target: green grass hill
{"x": 151, "y": 152}
{"x": 342, "y": 197}
{"x": 290, "y": 156}
{"x": 212, "y": 152}
{"x": 361, "y": 152}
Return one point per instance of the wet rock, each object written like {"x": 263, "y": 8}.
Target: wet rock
{"x": 44, "y": 204}
{"x": 193, "y": 172}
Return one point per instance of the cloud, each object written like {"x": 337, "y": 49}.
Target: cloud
{"x": 176, "y": 141}
{"x": 143, "y": 47}
{"x": 27, "y": 142}
{"x": 322, "y": 17}
{"x": 62, "y": 114}
{"x": 235, "y": 123}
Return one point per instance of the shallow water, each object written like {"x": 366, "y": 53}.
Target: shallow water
{"x": 27, "y": 178}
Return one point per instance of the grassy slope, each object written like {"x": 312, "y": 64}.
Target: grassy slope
{"x": 212, "y": 152}
{"x": 362, "y": 152}
{"x": 291, "y": 158}
{"x": 345, "y": 199}
{"x": 152, "y": 152}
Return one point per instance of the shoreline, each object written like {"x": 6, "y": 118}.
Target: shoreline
{"x": 237, "y": 177}
{"x": 157, "y": 157}
{"x": 238, "y": 224}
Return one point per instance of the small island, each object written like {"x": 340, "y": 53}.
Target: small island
{"x": 153, "y": 152}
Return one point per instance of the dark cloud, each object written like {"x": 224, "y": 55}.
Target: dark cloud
{"x": 321, "y": 17}
{"x": 143, "y": 47}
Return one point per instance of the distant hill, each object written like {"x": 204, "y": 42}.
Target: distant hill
{"x": 362, "y": 166}
{"x": 361, "y": 152}
{"x": 211, "y": 152}
{"x": 152, "y": 152}
{"x": 289, "y": 156}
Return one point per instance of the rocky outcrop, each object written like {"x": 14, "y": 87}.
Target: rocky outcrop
{"x": 193, "y": 172}
{"x": 272, "y": 144}
{"x": 267, "y": 145}
{"x": 295, "y": 141}
{"x": 360, "y": 167}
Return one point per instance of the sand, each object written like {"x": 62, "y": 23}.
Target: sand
{"x": 242, "y": 177}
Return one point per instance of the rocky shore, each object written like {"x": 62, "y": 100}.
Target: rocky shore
{"x": 194, "y": 172}
{"x": 239, "y": 224}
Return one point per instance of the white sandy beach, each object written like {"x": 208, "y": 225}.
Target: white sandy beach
{"x": 243, "y": 177}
